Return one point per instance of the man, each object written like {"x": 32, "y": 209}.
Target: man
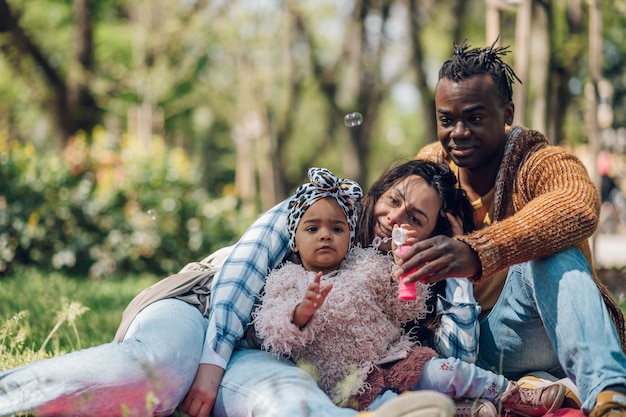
{"x": 534, "y": 209}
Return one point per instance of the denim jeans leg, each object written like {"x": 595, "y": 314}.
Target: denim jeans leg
{"x": 148, "y": 374}
{"x": 513, "y": 339}
{"x": 551, "y": 317}
{"x": 258, "y": 384}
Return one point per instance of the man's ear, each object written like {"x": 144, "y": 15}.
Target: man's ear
{"x": 509, "y": 112}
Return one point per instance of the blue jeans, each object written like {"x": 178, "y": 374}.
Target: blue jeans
{"x": 551, "y": 317}
{"x": 258, "y": 384}
{"x": 148, "y": 374}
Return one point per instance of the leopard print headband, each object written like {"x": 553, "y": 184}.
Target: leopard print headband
{"x": 324, "y": 184}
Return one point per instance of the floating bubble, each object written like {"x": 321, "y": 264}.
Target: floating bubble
{"x": 152, "y": 214}
{"x": 353, "y": 119}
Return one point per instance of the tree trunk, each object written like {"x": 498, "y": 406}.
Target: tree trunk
{"x": 428, "y": 101}
{"x": 80, "y": 101}
{"x": 71, "y": 104}
{"x": 539, "y": 72}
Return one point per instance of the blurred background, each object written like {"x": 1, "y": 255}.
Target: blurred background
{"x": 141, "y": 135}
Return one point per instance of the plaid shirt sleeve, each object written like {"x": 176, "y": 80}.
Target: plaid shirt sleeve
{"x": 238, "y": 283}
{"x": 457, "y": 334}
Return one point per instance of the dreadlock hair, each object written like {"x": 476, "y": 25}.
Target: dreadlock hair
{"x": 466, "y": 63}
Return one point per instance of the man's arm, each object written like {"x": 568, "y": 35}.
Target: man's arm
{"x": 555, "y": 205}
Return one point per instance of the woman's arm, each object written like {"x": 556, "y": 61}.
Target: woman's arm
{"x": 239, "y": 282}
{"x": 235, "y": 289}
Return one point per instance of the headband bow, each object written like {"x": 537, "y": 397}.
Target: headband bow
{"x": 324, "y": 184}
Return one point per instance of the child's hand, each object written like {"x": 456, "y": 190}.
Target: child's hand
{"x": 312, "y": 301}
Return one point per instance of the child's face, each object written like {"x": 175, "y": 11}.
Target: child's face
{"x": 323, "y": 236}
{"x": 412, "y": 202}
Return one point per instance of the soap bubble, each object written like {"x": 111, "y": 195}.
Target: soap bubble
{"x": 152, "y": 214}
{"x": 353, "y": 119}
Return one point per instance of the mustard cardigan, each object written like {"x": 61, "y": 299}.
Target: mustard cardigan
{"x": 544, "y": 202}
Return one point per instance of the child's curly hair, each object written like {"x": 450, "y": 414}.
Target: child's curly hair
{"x": 466, "y": 63}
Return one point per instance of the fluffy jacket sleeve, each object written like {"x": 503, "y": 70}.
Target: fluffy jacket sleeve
{"x": 284, "y": 289}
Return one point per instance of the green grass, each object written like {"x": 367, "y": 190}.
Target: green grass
{"x": 47, "y": 314}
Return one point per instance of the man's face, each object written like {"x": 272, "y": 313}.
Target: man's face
{"x": 471, "y": 121}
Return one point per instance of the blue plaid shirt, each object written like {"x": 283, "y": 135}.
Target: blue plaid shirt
{"x": 238, "y": 283}
{"x": 240, "y": 280}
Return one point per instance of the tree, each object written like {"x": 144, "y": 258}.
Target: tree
{"x": 258, "y": 91}
{"x": 70, "y": 102}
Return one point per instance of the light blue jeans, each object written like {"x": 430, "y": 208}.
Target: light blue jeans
{"x": 148, "y": 374}
{"x": 551, "y": 317}
{"x": 258, "y": 384}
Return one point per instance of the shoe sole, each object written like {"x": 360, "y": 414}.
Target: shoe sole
{"x": 542, "y": 379}
{"x": 417, "y": 404}
{"x": 485, "y": 408}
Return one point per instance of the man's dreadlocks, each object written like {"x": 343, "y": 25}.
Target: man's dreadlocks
{"x": 466, "y": 63}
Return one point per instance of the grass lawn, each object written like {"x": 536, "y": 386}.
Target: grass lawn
{"x": 62, "y": 313}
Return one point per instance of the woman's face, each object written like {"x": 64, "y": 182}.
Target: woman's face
{"x": 411, "y": 202}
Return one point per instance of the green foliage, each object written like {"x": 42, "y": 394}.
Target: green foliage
{"x": 108, "y": 208}
{"x": 43, "y": 314}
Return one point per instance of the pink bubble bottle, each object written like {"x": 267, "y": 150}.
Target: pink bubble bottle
{"x": 405, "y": 291}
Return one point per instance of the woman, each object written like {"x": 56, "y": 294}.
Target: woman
{"x": 276, "y": 387}
{"x": 149, "y": 372}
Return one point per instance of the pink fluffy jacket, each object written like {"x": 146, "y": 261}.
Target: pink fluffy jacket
{"x": 357, "y": 328}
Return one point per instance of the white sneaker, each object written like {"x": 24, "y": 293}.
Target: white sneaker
{"x": 414, "y": 404}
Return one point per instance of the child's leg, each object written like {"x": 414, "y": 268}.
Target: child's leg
{"x": 460, "y": 379}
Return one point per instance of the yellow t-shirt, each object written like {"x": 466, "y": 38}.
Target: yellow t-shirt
{"x": 488, "y": 290}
